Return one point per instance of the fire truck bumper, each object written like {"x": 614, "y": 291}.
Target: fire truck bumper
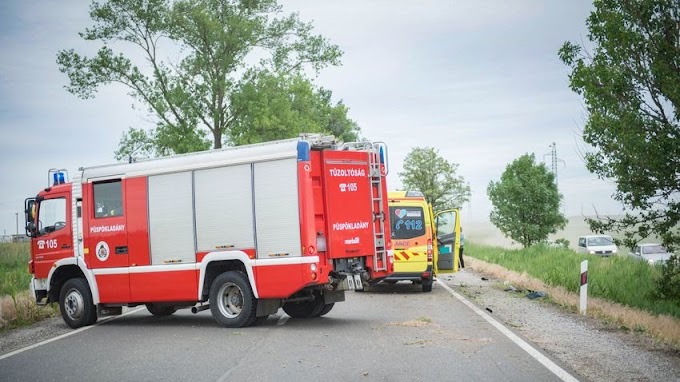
{"x": 39, "y": 290}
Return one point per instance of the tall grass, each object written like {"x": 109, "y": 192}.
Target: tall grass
{"x": 619, "y": 279}
{"x": 14, "y": 276}
{"x": 19, "y": 308}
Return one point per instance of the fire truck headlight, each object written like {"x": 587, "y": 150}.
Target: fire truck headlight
{"x": 312, "y": 267}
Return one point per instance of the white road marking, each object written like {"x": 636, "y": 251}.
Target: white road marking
{"x": 558, "y": 371}
{"x": 76, "y": 331}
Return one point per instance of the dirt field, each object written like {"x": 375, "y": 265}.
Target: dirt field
{"x": 487, "y": 234}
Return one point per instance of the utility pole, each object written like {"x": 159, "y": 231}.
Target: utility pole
{"x": 554, "y": 160}
{"x": 553, "y": 167}
{"x": 17, "y": 215}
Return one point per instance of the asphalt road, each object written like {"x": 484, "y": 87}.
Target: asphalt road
{"x": 390, "y": 333}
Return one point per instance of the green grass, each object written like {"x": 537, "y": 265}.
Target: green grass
{"x": 14, "y": 276}
{"x": 619, "y": 279}
{"x": 14, "y": 282}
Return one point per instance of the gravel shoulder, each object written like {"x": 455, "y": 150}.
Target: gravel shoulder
{"x": 586, "y": 345}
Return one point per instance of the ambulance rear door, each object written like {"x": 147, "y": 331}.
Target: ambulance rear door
{"x": 447, "y": 233}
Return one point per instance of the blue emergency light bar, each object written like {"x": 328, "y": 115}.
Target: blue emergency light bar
{"x": 58, "y": 176}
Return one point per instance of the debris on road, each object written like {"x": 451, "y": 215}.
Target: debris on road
{"x": 535, "y": 295}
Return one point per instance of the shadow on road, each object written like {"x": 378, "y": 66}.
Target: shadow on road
{"x": 205, "y": 320}
{"x": 402, "y": 287}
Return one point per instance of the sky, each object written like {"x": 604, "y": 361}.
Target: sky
{"x": 480, "y": 81}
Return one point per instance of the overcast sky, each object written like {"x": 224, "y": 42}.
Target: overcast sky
{"x": 478, "y": 80}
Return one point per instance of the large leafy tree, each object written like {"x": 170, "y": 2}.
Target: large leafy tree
{"x": 426, "y": 171}
{"x": 192, "y": 63}
{"x": 280, "y": 106}
{"x": 526, "y": 203}
{"x": 629, "y": 78}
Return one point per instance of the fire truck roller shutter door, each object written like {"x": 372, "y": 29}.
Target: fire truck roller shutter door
{"x": 171, "y": 222}
{"x": 277, "y": 211}
{"x": 224, "y": 207}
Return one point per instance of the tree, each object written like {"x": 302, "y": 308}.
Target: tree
{"x": 526, "y": 204}
{"x": 195, "y": 97}
{"x": 435, "y": 177}
{"x": 631, "y": 87}
{"x": 282, "y": 106}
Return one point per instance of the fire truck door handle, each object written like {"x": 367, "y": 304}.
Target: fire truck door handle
{"x": 65, "y": 246}
{"x": 121, "y": 250}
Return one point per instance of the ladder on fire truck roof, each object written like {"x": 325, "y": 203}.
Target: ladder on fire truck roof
{"x": 378, "y": 207}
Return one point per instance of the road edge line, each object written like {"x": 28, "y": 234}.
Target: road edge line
{"x": 76, "y": 331}
{"x": 538, "y": 356}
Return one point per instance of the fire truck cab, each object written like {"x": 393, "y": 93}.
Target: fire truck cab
{"x": 242, "y": 231}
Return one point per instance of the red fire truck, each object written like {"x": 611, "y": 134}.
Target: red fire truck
{"x": 242, "y": 231}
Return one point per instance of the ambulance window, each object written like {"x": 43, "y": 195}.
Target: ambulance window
{"x": 108, "y": 199}
{"x": 407, "y": 222}
{"x": 52, "y": 215}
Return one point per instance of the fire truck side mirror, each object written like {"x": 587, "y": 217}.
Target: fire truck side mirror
{"x": 31, "y": 230}
{"x": 30, "y": 211}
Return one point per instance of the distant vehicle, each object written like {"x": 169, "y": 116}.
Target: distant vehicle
{"x": 653, "y": 253}
{"x": 601, "y": 245}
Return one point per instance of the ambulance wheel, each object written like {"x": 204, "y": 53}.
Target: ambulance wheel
{"x": 305, "y": 309}
{"x": 327, "y": 308}
{"x": 160, "y": 310}
{"x": 427, "y": 285}
{"x": 75, "y": 304}
{"x": 232, "y": 301}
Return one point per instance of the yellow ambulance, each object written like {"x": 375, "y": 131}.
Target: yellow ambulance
{"x": 425, "y": 244}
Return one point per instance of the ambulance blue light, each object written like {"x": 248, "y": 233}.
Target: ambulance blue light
{"x": 303, "y": 151}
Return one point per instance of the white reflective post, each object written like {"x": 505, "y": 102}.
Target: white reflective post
{"x": 584, "y": 287}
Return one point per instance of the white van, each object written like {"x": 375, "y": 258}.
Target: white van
{"x": 601, "y": 245}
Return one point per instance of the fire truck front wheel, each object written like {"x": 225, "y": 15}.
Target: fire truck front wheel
{"x": 232, "y": 301}
{"x": 75, "y": 304}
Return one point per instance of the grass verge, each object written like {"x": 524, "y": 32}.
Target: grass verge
{"x": 538, "y": 269}
{"x": 17, "y": 307}
{"x": 619, "y": 279}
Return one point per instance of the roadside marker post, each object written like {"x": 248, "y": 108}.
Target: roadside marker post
{"x": 584, "y": 287}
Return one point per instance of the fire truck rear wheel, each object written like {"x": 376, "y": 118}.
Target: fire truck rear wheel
{"x": 232, "y": 301}
{"x": 305, "y": 309}
{"x": 327, "y": 308}
{"x": 75, "y": 304}
{"x": 160, "y": 310}
{"x": 260, "y": 320}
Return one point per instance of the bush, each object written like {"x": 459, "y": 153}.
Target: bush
{"x": 562, "y": 242}
{"x": 668, "y": 283}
